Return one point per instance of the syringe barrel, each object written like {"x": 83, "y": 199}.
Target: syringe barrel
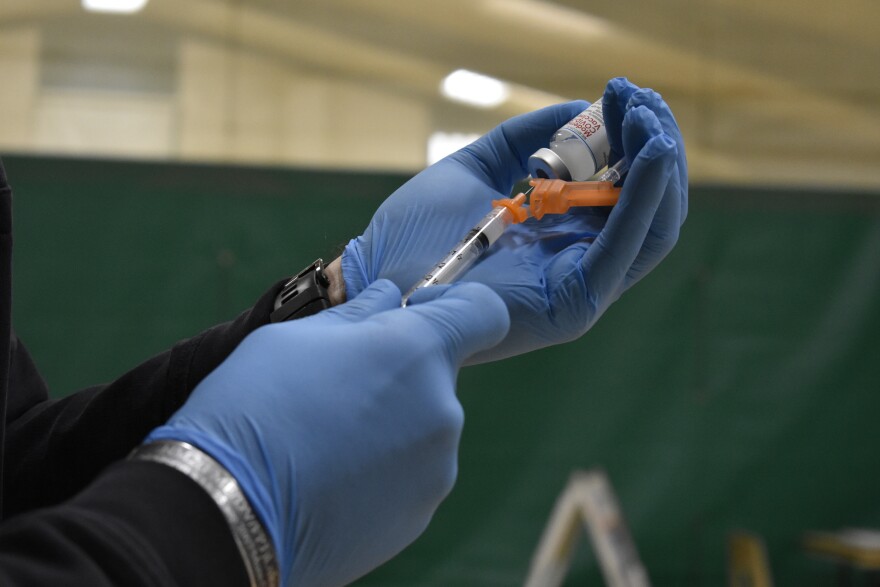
{"x": 468, "y": 250}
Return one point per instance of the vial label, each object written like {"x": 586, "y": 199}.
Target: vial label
{"x": 588, "y": 122}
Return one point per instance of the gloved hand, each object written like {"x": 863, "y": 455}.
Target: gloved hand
{"x": 559, "y": 275}
{"x": 343, "y": 428}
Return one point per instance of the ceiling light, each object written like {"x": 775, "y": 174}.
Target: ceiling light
{"x": 118, "y": 6}
{"x": 474, "y": 89}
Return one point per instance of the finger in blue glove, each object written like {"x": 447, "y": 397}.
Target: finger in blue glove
{"x": 554, "y": 291}
{"x": 342, "y": 428}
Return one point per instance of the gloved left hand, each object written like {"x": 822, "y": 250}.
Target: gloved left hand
{"x": 557, "y": 276}
{"x": 342, "y": 428}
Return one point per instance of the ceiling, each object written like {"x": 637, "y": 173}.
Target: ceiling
{"x": 781, "y": 92}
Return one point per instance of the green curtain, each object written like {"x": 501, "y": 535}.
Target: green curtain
{"x": 736, "y": 387}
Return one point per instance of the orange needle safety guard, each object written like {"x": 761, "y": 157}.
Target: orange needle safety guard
{"x": 555, "y": 196}
{"x": 514, "y": 205}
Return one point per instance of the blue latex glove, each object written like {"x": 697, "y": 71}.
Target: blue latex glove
{"x": 343, "y": 428}
{"x": 559, "y": 275}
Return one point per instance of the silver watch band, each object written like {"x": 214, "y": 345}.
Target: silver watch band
{"x": 253, "y": 543}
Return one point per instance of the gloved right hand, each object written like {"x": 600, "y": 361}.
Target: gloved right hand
{"x": 342, "y": 428}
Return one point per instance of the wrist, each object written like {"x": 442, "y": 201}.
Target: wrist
{"x": 336, "y": 289}
{"x": 251, "y": 538}
{"x": 353, "y": 274}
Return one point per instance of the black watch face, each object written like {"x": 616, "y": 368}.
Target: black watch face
{"x": 303, "y": 295}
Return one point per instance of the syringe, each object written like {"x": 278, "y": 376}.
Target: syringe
{"x": 555, "y": 196}
{"x": 510, "y": 211}
{"x": 469, "y": 249}
{"x": 615, "y": 172}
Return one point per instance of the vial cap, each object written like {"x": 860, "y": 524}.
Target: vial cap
{"x": 546, "y": 164}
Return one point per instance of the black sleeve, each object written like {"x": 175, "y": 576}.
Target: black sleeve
{"x": 139, "y": 524}
{"x": 54, "y": 448}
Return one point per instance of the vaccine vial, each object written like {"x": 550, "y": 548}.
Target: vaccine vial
{"x": 577, "y": 151}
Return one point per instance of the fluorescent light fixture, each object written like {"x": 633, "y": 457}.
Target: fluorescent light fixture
{"x": 441, "y": 144}
{"x": 474, "y": 89}
{"x": 118, "y": 6}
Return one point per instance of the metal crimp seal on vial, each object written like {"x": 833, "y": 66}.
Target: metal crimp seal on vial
{"x": 546, "y": 164}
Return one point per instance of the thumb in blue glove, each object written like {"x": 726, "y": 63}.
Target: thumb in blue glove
{"x": 559, "y": 275}
{"x": 425, "y": 217}
{"x": 343, "y": 428}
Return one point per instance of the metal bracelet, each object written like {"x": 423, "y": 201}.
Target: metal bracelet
{"x": 250, "y": 537}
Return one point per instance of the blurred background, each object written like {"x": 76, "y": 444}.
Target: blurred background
{"x": 172, "y": 159}
{"x": 766, "y": 92}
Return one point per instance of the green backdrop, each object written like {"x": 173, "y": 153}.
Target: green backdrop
{"x": 736, "y": 387}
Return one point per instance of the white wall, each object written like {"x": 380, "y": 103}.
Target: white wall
{"x": 241, "y": 107}
{"x": 19, "y": 70}
{"x": 225, "y": 105}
